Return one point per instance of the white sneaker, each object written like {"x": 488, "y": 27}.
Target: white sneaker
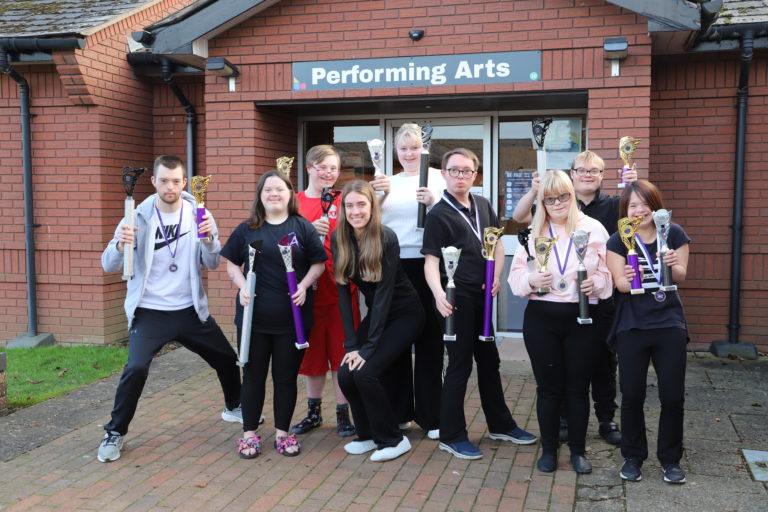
{"x": 405, "y": 426}
{"x": 359, "y": 447}
{"x": 110, "y": 446}
{"x": 236, "y": 415}
{"x": 392, "y": 452}
{"x": 434, "y": 434}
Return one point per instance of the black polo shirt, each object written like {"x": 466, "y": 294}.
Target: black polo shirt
{"x": 445, "y": 226}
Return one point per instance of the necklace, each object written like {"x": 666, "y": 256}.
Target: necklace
{"x": 562, "y": 284}
{"x": 173, "y": 267}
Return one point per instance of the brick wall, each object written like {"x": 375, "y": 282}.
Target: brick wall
{"x": 693, "y": 141}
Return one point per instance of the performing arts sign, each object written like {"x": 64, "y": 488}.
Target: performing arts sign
{"x": 470, "y": 68}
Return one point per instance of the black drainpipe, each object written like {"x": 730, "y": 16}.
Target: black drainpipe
{"x": 747, "y": 43}
{"x": 21, "y": 45}
{"x": 190, "y": 119}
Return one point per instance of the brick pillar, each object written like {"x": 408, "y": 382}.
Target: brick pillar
{"x": 3, "y": 399}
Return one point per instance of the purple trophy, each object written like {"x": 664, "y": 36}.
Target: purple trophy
{"x": 627, "y": 229}
{"x": 199, "y": 186}
{"x": 130, "y": 177}
{"x": 491, "y": 237}
{"x": 254, "y": 250}
{"x": 327, "y": 197}
{"x": 426, "y": 140}
{"x": 286, "y": 251}
{"x": 627, "y": 146}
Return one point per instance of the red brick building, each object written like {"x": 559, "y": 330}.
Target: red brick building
{"x": 324, "y": 71}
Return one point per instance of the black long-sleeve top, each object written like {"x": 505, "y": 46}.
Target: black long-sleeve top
{"x": 385, "y": 300}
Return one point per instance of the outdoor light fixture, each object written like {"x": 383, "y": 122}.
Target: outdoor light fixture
{"x": 615, "y": 49}
{"x": 415, "y": 35}
{"x": 220, "y": 66}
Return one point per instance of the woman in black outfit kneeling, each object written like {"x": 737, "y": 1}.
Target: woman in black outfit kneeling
{"x": 649, "y": 327}
{"x": 368, "y": 254}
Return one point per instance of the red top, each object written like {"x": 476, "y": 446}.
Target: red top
{"x": 310, "y": 208}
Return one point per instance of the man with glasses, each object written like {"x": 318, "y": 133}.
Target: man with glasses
{"x": 458, "y": 220}
{"x": 587, "y": 175}
{"x": 326, "y": 347}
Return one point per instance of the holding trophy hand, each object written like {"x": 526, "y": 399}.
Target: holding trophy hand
{"x": 126, "y": 236}
{"x": 540, "y": 280}
{"x": 205, "y": 228}
{"x": 381, "y": 183}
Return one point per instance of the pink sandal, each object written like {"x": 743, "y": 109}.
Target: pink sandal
{"x": 282, "y": 443}
{"x": 249, "y": 443}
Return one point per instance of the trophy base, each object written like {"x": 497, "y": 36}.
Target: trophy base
{"x": 543, "y": 291}
{"x": 486, "y": 338}
{"x": 127, "y": 277}
{"x": 637, "y": 291}
{"x": 449, "y": 337}
{"x": 302, "y": 346}
{"x": 584, "y": 321}
{"x": 671, "y": 288}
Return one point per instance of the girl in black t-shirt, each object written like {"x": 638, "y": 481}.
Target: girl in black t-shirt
{"x": 649, "y": 327}
{"x": 274, "y": 215}
{"x": 368, "y": 254}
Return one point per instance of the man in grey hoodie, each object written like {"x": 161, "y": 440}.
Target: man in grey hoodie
{"x": 166, "y": 300}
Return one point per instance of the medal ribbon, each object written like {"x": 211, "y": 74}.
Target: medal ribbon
{"x": 656, "y": 273}
{"x": 476, "y": 228}
{"x": 178, "y": 229}
{"x": 557, "y": 255}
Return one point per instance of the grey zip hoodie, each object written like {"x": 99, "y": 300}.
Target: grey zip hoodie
{"x": 203, "y": 253}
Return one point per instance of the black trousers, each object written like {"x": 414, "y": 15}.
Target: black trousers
{"x": 666, "y": 348}
{"x": 371, "y": 407}
{"x": 150, "y": 331}
{"x": 468, "y": 325}
{"x": 604, "y": 372}
{"x": 286, "y": 360}
{"x": 562, "y": 355}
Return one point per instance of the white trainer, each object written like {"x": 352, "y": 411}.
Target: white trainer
{"x": 434, "y": 434}
{"x": 110, "y": 447}
{"x": 359, "y": 447}
{"x": 392, "y": 452}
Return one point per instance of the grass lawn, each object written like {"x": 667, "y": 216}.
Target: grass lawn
{"x": 35, "y": 375}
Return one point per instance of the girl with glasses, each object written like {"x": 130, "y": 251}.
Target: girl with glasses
{"x": 562, "y": 351}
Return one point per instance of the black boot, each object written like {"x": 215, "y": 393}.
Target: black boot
{"x": 313, "y": 419}
{"x": 610, "y": 432}
{"x": 344, "y": 427}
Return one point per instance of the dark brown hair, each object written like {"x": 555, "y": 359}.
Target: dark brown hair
{"x": 646, "y": 191}
{"x": 258, "y": 214}
{"x": 463, "y": 152}
{"x": 167, "y": 161}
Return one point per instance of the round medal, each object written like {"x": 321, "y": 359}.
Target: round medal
{"x": 660, "y": 296}
{"x": 562, "y": 285}
{"x": 173, "y": 267}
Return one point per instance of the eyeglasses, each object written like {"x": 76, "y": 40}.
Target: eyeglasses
{"x": 581, "y": 171}
{"x": 549, "y": 201}
{"x": 323, "y": 168}
{"x": 455, "y": 172}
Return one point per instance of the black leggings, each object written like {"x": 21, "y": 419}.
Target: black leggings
{"x": 666, "y": 348}
{"x": 562, "y": 356}
{"x": 371, "y": 407}
{"x": 286, "y": 359}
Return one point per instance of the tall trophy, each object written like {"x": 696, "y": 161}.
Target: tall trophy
{"x": 540, "y": 127}
{"x": 254, "y": 250}
{"x": 199, "y": 187}
{"x": 627, "y": 229}
{"x": 543, "y": 246}
{"x": 285, "y": 245}
{"x": 284, "y": 164}
{"x": 130, "y": 177}
{"x": 376, "y": 147}
{"x": 451, "y": 261}
{"x": 523, "y": 235}
{"x": 580, "y": 242}
{"x": 327, "y": 197}
{"x": 662, "y": 220}
{"x": 491, "y": 237}
{"x": 426, "y": 140}
{"x": 627, "y": 146}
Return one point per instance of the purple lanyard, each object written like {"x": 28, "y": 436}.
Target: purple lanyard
{"x": 557, "y": 255}
{"x": 178, "y": 229}
{"x": 476, "y": 228}
{"x": 647, "y": 255}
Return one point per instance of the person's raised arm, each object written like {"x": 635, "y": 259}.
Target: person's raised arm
{"x": 522, "y": 213}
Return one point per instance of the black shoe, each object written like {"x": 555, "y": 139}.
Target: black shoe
{"x": 312, "y": 420}
{"x": 344, "y": 427}
{"x": 630, "y": 470}
{"x": 581, "y": 465}
{"x": 563, "y": 435}
{"x": 673, "y": 474}
{"x": 547, "y": 463}
{"x": 609, "y": 431}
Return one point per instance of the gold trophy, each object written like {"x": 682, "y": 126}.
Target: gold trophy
{"x": 491, "y": 237}
{"x": 284, "y": 164}
{"x": 199, "y": 187}
{"x": 543, "y": 246}
{"x": 627, "y": 229}
{"x": 627, "y": 146}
